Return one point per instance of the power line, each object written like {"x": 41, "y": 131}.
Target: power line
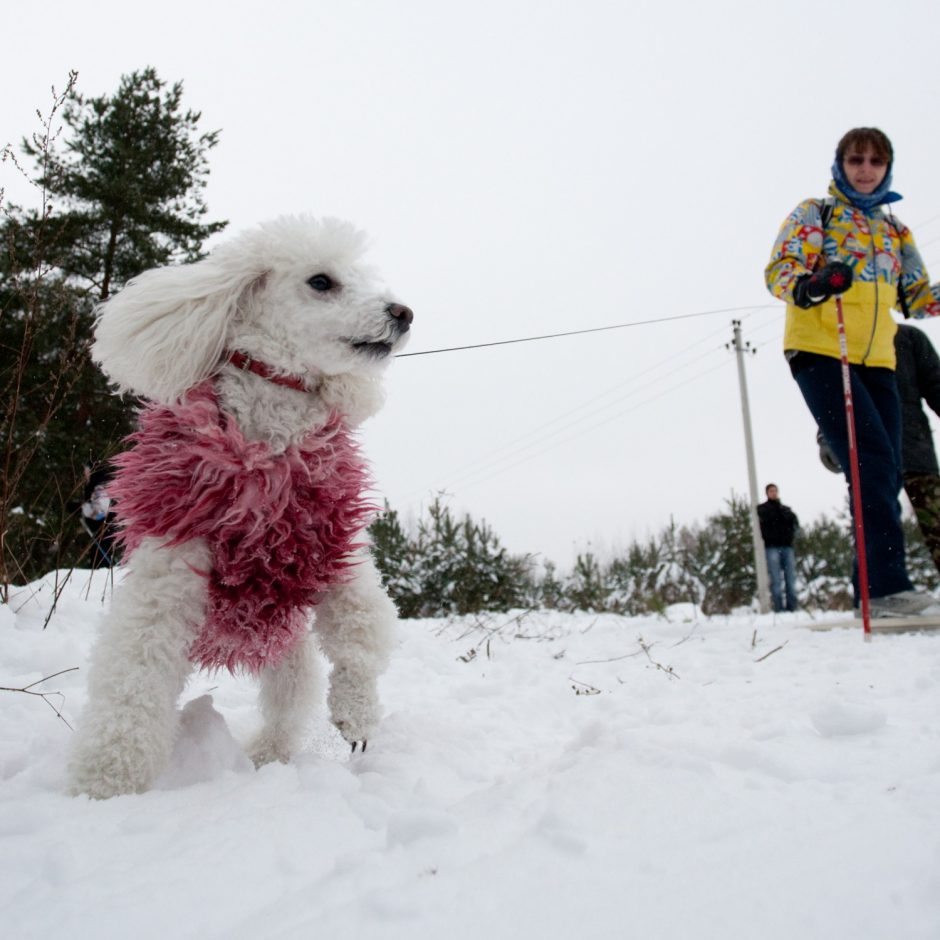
{"x": 535, "y": 436}
{"x": 533, "y": 443}
{"x": 929, "y": 241}
{"x": 586, "y": 429}
{"x": 542, "y": 434}
{"x": 477, "y": 471}
{"x": 926, "y": 222}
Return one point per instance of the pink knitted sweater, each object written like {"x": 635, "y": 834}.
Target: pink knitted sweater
{"x": 281, "y": 528}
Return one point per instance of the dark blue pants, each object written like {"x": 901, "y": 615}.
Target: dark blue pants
{"x": 878, "y": 437}
{"x": 781, "y": 566}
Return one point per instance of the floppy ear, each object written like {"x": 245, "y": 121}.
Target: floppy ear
{"x": 167, "y": 329}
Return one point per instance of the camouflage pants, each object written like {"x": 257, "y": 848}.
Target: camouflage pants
{"x": 923, "y": 490}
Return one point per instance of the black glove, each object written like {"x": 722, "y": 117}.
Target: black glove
{"x": 827, "y": 455}
{"x": 812, "y": 289}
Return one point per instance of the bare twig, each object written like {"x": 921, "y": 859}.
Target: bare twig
{"x": 590, "y": 626}
{"x": 688, "y": 636}
{"x": 611, "y": 659}
{"x": 646, "y": 647}
{"x": 45, "y": 696}
{"x": 776, "y": 649}
{"x": 489, "y": 625}
{"x": 582, "y": 688}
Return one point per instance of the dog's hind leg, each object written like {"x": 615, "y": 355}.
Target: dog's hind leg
{"x": 290, "y": 692}
{"x": 356, "y": 625}
{"x": 138, "y": 670}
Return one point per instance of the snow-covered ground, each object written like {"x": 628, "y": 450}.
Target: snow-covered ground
{"x": 536, "y": 776}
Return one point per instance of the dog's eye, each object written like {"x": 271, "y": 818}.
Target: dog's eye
{"x": 321, "y": 282}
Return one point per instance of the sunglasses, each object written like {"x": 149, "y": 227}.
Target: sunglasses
{"x": 857, "y": 159}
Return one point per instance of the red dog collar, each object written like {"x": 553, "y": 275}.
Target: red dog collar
{"x": 241, "y": 361}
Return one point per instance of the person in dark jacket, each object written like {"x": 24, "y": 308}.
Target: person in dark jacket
{"x": 918, "y": 378}
{"x": 918, "y": 374}
{"x": 778, "y": 525}
{"x": 98, "y": 517}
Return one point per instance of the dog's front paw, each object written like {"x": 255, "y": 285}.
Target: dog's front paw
{"x": 101, "y": 785}
{"x": 270, "y": 748}
{"x": 102, "y": 771}
{"x": 354, "y": 707}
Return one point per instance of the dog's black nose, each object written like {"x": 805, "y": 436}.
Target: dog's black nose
{"x": 404, "y": 315}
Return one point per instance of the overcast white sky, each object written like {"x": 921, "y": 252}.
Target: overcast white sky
{"x": 528, "y": 167}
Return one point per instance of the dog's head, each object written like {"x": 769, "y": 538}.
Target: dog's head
{"x": 293, "y": 293}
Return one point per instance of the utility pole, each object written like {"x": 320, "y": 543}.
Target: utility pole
{"x": 760, "y": 559}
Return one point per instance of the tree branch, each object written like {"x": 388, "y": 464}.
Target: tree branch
{"x": 45, "y": 696}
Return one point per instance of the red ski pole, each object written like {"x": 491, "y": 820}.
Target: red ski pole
{"x": 854, "y": 475}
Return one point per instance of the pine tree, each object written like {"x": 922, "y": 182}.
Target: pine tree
{"x": 636, "y": 579}
{"x": 132, "y": 179}
{"x": 721, "y": 558}
{"x": 121, "y": 192}
{"x": 448, "y": 566}
{"x": 549, "y": 592}
{"x": 824, "y": 554}
{"x": 395, "y": 558}
{"x": 587, "y": 588}
{"x": 675, "y": 584}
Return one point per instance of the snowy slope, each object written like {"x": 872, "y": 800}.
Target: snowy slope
{"x": 536, "y": 776}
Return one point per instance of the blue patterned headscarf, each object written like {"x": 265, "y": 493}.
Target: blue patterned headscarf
{"x": 864, "y": 201}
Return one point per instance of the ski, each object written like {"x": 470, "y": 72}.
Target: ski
{"x": 882, "y": 624}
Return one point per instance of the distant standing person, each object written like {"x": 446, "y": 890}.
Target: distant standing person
{"x": 778, "y": 525}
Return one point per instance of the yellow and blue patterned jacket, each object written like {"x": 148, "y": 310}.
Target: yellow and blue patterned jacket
{"x": 879, "y": 249}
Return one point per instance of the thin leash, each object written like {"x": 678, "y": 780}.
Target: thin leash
{"x": 596, "y": 329}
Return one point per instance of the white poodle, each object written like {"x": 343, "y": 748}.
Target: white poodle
{"x": 243, "y": 498}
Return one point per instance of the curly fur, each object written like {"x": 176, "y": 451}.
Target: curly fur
{"x": 243, "y": 499}
{"x": 281, "y": 528}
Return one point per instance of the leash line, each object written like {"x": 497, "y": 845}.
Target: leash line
{"x": 596, "y": 329}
